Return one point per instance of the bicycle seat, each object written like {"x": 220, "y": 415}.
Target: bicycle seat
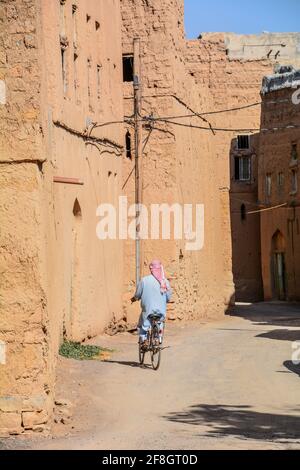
{"x": 155, "y": 316}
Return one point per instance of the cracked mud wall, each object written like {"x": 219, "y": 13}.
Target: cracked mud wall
{"x": 233, "y": 66}
{"x": 279, "y": 152}
{"x": 25, "y": 382}
{"x": 84, "y": 273}
{"x": 178, "y": 163}
{"x": 57, "y": 279}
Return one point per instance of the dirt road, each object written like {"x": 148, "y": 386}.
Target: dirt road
{"x": 225, "y": 385}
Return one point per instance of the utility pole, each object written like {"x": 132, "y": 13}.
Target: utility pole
{"x": 138, "y": 151}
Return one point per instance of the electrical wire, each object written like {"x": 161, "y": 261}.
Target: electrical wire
{"x": 203, "y": 113}
{"x": 193, "y": 126}
{"x": 268, "y": 208}
{"x": 262, "y": 210}
{"x": 220, "y": 111}
{"x": 103, "y": 141}
{"x": 221, "y": 129}
{"x": 169, "y": 119}
{"x": 239, "y": 108}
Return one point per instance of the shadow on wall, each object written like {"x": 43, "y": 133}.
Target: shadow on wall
{"x": 239, "y": 421}
{"x": 245, "y": 228}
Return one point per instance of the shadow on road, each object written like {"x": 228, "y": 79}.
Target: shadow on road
{"x": 239, "y": 421}
{"x": 292, "y": 367}
{"x": 282, "y": 335}
{"x": 269, "y": 313}
{"x": 130, "y": 364}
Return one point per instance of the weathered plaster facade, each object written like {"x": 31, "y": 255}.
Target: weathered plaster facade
{"x": 59, "y": 73}
{"x": 233, "y": 66}
{"x": 279, "y": 186}
{"x": 177, "y": 163}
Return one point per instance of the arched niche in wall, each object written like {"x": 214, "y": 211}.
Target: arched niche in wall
{"x": 77, "y": 209}
{"x": 278, "y": 242}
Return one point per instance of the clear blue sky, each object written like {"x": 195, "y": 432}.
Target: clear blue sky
{"x": 241, "y": 16}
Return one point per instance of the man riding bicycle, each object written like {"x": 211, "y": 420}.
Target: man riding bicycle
{"x": 154, "y": 292}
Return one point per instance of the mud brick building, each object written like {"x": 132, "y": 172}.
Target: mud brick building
{"x": 58, "y": 73}
{"x": 279, "y": 147}
{"x": 177, "y": 163}
{"x": 66, "y": 71}
{"x": 233, "y": 66}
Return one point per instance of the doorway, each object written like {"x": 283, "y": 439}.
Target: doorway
{"x": 278, "y": 266}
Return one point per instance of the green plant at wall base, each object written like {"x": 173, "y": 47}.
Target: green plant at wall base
{"x": 80, "y": 352}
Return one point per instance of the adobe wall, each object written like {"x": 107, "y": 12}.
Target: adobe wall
{"x": 276, "y": 157}
{"x": 25, "y": 382}
{"x": 85, "y": 273}
{"x": 232, "y": 66}
{"x": 57, "y": 279}
{"x": 177, "y": 163}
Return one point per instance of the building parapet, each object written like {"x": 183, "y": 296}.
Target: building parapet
{"x": 286, "y": 77}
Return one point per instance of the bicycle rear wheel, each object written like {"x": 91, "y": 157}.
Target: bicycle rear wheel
{"x": 155, "y": 349}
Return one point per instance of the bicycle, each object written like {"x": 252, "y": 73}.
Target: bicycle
{"x": 154, "y": 339}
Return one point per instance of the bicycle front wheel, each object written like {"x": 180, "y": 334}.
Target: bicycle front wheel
{"x": 155, "y": 358}
{"x": 155, "y": 348}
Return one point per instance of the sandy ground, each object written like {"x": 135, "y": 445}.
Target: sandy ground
{"x": 224, "y": 385}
